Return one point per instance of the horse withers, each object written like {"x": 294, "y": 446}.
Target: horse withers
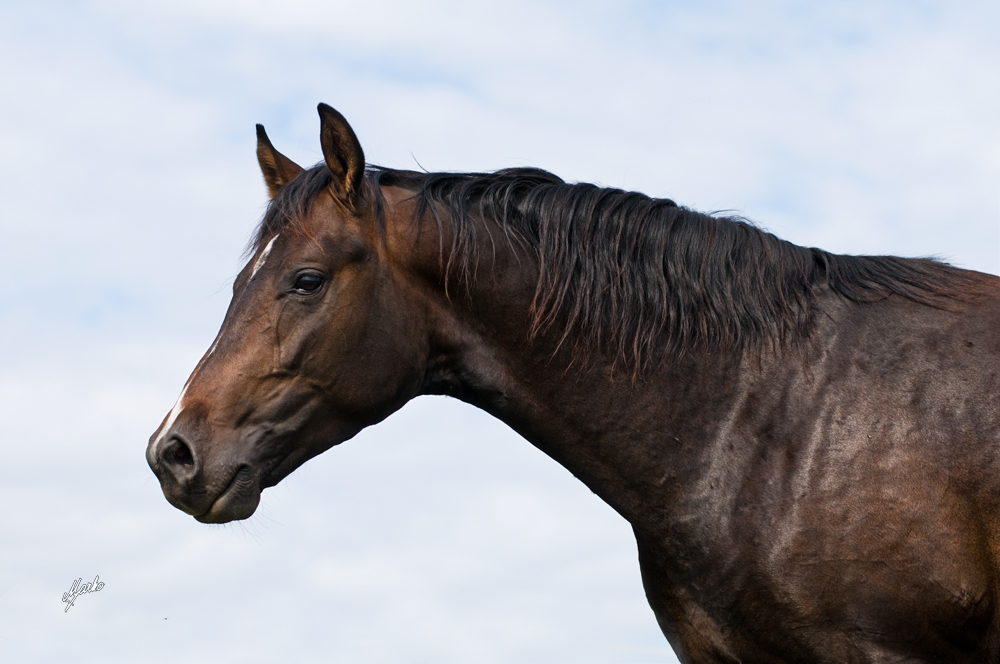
{"x": 807, "y": 445}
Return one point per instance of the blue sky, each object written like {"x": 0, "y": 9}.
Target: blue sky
{"x": 130, "y": 188}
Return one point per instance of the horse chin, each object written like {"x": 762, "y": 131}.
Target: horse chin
{"x": 238, "y": 500}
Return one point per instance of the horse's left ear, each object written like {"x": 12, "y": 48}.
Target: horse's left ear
{"x": 343, "y": 155}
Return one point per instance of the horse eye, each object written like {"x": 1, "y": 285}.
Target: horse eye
{"x": 308, "y": 283}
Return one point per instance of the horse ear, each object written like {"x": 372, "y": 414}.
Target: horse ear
{"x": 343, "y": 154}
{"x": 278, "y": 169}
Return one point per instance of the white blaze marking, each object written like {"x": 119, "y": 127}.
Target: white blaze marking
{"x": 263, "y": 256}
{"x": 172, "y": 417}
{"x": 179, "y": 405}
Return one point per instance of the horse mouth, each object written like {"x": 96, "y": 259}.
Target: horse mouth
{"x": 237, "y": 501}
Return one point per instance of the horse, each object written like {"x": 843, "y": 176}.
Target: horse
{"x": 806, "y": 445}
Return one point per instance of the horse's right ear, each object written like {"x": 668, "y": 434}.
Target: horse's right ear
{"x": 278, "y": 169}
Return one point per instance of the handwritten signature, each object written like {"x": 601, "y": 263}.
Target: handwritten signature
{"x": 77, "y": 589}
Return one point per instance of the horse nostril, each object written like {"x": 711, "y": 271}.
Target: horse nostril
{"x": 178, "y": 452}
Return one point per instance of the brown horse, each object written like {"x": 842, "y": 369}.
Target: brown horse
{"x": 807, "y": 445}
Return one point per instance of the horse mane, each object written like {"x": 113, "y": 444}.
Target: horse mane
{"x": 636, "y": 276}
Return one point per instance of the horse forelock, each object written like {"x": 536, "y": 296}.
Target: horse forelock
{"x": 289, "y": 209}
{"x": 640, "y": 277}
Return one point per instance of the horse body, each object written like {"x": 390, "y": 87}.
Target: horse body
{"x": 829, "y": 497}
{"x": 844, "y": 507}
{"x": 842, "y": 489}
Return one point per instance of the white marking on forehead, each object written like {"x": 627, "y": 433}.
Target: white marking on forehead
{"x": 263, "y": 256}
{"x": 210, "y": 351}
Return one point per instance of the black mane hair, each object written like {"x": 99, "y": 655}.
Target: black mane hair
{"x": 636, "y": 276}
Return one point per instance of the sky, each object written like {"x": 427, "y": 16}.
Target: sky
{"x": 130, "y": 188}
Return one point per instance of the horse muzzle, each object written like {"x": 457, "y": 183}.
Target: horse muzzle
{"x": 212, "y": 491}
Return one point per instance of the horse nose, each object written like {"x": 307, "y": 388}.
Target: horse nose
{"x": 174, "y": 456}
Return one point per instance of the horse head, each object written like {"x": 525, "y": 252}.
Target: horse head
{"x": 319, "y": 341}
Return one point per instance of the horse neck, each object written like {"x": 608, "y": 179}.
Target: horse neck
{"x": 586, "y": 411}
